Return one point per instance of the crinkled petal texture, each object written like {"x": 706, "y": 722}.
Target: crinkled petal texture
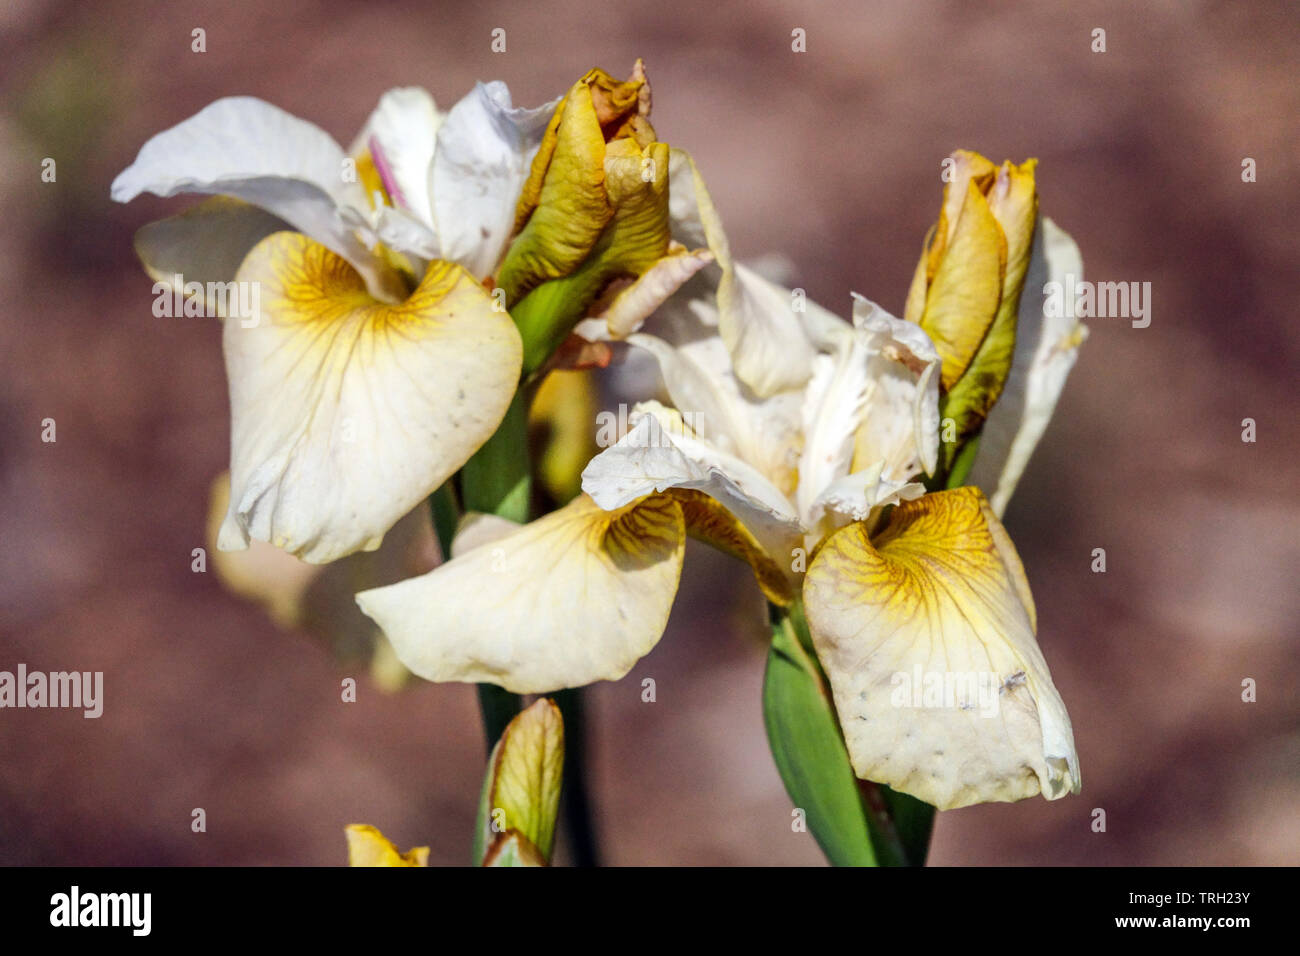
{"x": 345, "y": 411}
{"x": 484, "y": 152}
{"x": 577, "y": 596}
{"x": 939, "y": 596}
{"x": 660, "y": 453}
{"x": 1048, "y": 337}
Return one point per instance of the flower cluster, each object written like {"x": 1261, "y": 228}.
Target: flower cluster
{"x": 419, "y": 288}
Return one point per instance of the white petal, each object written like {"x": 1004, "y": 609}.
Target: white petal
{"x": 346, "y": 412}
{"x": 764, "y": 433}
{"x": 901, "y": 421}
{"x": 244, "y": 147}
{"x": 770, "y": 347}
{"x": 400, "y": 136}
{"x": 657, "y": 454}
{"x": 205, "y": 244}
{"x": 575, "y": 597}
{"x": 483, "y": 156}
{"x": 1046, "y": 349}
{"x": 833, "y": 406}
{"x": 634, "y": 305}
{"x": 854, "y": 497}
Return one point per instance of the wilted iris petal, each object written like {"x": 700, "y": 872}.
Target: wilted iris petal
{"x": 939, "y": 600}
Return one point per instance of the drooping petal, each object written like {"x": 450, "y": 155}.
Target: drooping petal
{"x": 368, "y": 847}
{"x": 205, "y": 244}
{"x": 1047, "y": 344}
{"x": 346, "y": 411}
{"x": 244, "y": 147}
{"x": 708, "y": 521}
{"x": 927, "y": 636}
{"x": 769, "y": 340}
{"x": 577, "y": 596}
{"x": 316, "y": 598}
{"x": 485, "y": 149}
{"x": 660, "y": 452}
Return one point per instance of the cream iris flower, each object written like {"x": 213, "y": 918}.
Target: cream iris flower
{"x": 791, "y": 436}
{"x": 378, "y": 363}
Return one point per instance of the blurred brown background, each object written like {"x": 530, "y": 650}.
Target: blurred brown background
{"x": 830, "y": 156}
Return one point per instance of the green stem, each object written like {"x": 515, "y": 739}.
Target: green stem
{"x": 577, "y": 800}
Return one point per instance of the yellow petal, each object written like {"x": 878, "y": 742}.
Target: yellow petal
{"x": 927, "y": 636}
{"x": 522, "y": 790}
{"x": 708, "y": 521}
{"x": 368, "y": 847}
{"x": 968, "y": 169}
{"x": 561, "y": 422}
{"x": 1014, "y": 203}
{"x": 577, "y": 596}
{"x": 967, "y": 287}
{"x": 345, "y": 411}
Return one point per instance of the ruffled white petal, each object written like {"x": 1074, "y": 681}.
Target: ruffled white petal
{"x": 901, "y": 420}
{"x": 1046, "y": 349}
{"x": 482, "y": 159}
{"x": 659, "y": 453}
{"x": 577, "y": 596}
{"x": 244, "y": 147}
{"x": 722, "y": 411}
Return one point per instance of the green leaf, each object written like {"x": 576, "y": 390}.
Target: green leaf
{"x": 809, "y": 751}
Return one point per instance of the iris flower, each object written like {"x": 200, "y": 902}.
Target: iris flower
{"x": 800, "y": 444}
{"x": 379, "y": 362}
